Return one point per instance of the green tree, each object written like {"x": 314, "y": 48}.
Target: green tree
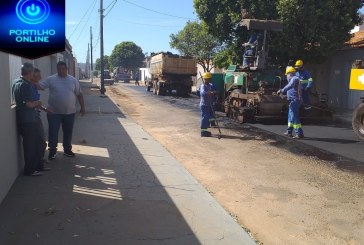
{"x": 194, "y": 40}
{"x": 315, "y": 29}
{"x": 312, "y": 29}
{"x": 127, "y": 55}
{"x": 226, "y": 57}
{"x": 106, "y": 63}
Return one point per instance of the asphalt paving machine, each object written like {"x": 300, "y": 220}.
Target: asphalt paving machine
{"x": 250, "y": 88}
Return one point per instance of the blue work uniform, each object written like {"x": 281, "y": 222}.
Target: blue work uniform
{"x": 247, "y": 54}
{"x": 293, "y": 91}
{"x": 306, "y": 84}
{"x": 206, "y": 105}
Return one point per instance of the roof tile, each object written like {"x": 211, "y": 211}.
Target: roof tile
{"x": 357, "y": 41}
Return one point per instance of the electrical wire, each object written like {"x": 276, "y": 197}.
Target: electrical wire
{"x": 112, "y": 4}
{"x": 92, "y": 4}
{"x": 155, "y": 11}
{"x": 110, "y": 8}
{"x": 143, "y": 24}
{"x": 97, "y": 41}
{"x": 84, "y": 26}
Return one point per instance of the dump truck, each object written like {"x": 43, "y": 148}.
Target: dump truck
{"x": 357, "y": 83}
{"x": 171, "y": 72}
{"x": 121, "y": 74}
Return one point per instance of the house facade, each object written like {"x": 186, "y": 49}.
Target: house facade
{"x": 333, "y": 76}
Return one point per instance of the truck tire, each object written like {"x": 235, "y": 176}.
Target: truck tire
{"x": 147, "y": 87}
{"x": 161, "y": 90}
{"x": 158, "y": 89}
{"x": 358, "y": 120}
{"x": 154, "y": 87}
{"x": 182, "y": 91}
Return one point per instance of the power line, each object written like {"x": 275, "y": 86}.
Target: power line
{"x": 143, "y": 24}
{"x": 84, "y": 26}
{"x": 113, "y": 4}
{"x": 97, "y": 41}
{"x": 92, "y": 4}
{"x": 155, "y": 11}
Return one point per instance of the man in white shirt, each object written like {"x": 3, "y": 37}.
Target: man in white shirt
{"x": 64, "y": 91}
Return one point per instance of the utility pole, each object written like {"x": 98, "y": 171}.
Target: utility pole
{"x": 87, "y": 66}
{"x": 92, "y": 69}
{"x": 102, "y": 89}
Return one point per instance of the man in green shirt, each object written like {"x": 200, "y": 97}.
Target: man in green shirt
{"x": 27, "y": 120}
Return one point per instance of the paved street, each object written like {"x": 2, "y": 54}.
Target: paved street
{"x": 330, "y": 136}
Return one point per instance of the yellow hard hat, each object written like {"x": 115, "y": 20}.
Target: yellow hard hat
{"x": 299, "y": 63}
{"x": 206, "y": 75}
{"x": 290, "y": 69}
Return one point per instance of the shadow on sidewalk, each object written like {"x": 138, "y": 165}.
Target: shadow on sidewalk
{"x": 107, "y": 194}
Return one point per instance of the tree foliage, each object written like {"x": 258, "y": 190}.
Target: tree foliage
{"x": 312, "y": 29}
{"x": 106, "y": 63}
{"x": 127, "y": 55}
{"x": 194, "y": 40}
{"x": 315, "y": 29}
{"x": 226, "y": 57}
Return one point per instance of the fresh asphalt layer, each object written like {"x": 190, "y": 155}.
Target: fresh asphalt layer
{"x": 331, "y": 136}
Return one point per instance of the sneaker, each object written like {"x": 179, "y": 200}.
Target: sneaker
{"x": 36, "y": 173}
{"x": 205, "y": 134}
{"x": 300, "y": 136}
{"x": 307, "y": 107}
{"x": 52, "y": 155}
{"x": 288, "y": 134}
{"x": 69, "y": 153}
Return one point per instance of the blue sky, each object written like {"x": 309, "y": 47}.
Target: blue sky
{"x": 128, "y": 20}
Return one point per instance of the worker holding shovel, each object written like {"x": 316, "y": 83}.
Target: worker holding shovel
{"x": 207, "y": 94}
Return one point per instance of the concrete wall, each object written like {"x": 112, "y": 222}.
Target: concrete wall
{"x": 144, "y": 74}
{"x": 333, "y": 77}
{"x": 10, "y": 154}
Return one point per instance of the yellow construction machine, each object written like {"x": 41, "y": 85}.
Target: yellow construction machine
{"x": 357, "y": 83}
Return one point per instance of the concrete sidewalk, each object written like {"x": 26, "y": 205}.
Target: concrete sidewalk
{"x": 122, "y": 187}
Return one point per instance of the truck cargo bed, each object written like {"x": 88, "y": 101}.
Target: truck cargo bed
{"x": 163, "y": 64}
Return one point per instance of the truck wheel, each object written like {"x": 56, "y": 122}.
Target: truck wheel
{"x": 185, "y": 91}
{"x": 158, "y": 89}
{"x": 154, "y": 87}
{"x": 147, "y": 87}
{"x": 161, "y": 89}
{"x": 358, "y": 120}
{"x": 182, "y": 91}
